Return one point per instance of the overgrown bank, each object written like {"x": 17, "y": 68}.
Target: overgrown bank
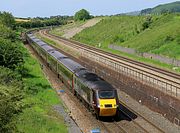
{"x": 26, "y": 97}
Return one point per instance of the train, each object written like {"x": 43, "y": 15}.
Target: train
{"x": 98, "y": 95}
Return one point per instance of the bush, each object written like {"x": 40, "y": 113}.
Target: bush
{"x": 10, "y": 78}
{"x": 10, "y": 105}
{"x": 7, "y": 33}
{"x": 147, "y": 23}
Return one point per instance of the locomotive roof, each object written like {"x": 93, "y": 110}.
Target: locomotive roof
{"x": 71, "y": 65}
{"x": 94, "y": 82}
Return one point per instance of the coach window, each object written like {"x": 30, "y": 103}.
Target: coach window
{"x": 75, "y": 80}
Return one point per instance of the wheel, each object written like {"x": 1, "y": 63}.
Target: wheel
{"x": 97, "y": 116}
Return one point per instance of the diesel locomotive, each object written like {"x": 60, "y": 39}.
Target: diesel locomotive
{"x": 99, "y": 96}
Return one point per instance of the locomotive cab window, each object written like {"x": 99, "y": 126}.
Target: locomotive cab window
{"x": 106, "y": 94}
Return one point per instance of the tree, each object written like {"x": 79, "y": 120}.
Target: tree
{"x": 7, "y": 19}
{"x": 82, "y": 15}
{"x": 7, "y": 33}
{"x": 11, "y": 54}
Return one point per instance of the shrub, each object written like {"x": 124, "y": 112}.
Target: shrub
{"x": 10, "y": 105}
{"x": 10, "y": 78}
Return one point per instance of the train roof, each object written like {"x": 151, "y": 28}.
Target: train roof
{"x": 30, "y": 35}
{"x": 71, "y": 65}
{"x": 94, "y": 82}
{"x": 41, "y": 43}
{"x": 47, "y": 48}
{"x": 36, "y": 40}
{"x": 88, "y": 78}
{"x": 57, "y": 55}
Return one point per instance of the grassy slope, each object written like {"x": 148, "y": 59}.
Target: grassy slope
{"x": 61, "y": 30}
{"x": 110, "y": 30}
{"x": 163, "y": 34}
{"x": 161, "y": 38}
{"x": 39, "y": 117}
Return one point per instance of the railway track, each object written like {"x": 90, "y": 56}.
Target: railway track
{"x": 143, "y": 121}
{"x": 118, "y": 127}
{"x": 169, "y": 73}
{"x": 167, "y": 81}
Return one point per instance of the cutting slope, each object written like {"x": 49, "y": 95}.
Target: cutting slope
{"x": 161, "y": 36}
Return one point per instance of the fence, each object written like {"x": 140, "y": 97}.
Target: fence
{"x": 163, "y": 59}
{"x": 164, "y": 84}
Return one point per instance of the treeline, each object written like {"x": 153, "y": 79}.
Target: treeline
{"x": 173, "y": 7}
{"x": 43, "y": 22}
{"x": 11, "y": 73}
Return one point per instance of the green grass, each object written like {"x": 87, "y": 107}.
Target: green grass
{"x": 162, "y": 32}
{"x": 162, "y": 37}
{"x": 39, "y": 115}
{"x": 146, "y": 60}
{"x": 111, "y": 30}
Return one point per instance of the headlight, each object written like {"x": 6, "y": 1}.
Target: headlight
{"x": 100, "y": 106}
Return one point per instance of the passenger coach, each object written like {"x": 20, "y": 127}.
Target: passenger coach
{"x": 98, "y": 95}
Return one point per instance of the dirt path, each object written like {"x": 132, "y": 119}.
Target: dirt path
{"x": 71, "y": 32}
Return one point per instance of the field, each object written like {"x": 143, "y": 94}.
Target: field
{"x": 21, "y": 20}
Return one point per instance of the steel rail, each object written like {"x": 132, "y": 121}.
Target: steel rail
{"x": 109, "y": 56}
{"x": 136, "y": 123}
{"x": 166, "y": 72}
{"x": 138, "y": 114}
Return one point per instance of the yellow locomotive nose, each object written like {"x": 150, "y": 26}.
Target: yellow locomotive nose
{"x": 107, "y": 107}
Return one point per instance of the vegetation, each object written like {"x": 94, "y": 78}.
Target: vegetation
{"x": 43, "y": 22}
{"x": 155, "y": 34}
{"x": 7, "y": 19}
{"x": 26, "y": 97}
{"x": 165, "y": 8}
{"x": 116, "y": 29}
{"x": 38, "y": 115}
{"x": 62, "y": 29}
{"x": 82, "y": 15}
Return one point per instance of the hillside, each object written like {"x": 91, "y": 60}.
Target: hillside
{"x": 156, "y": 34}
{"x": 170, "y": 7}
{"x": 116, "y": 29}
